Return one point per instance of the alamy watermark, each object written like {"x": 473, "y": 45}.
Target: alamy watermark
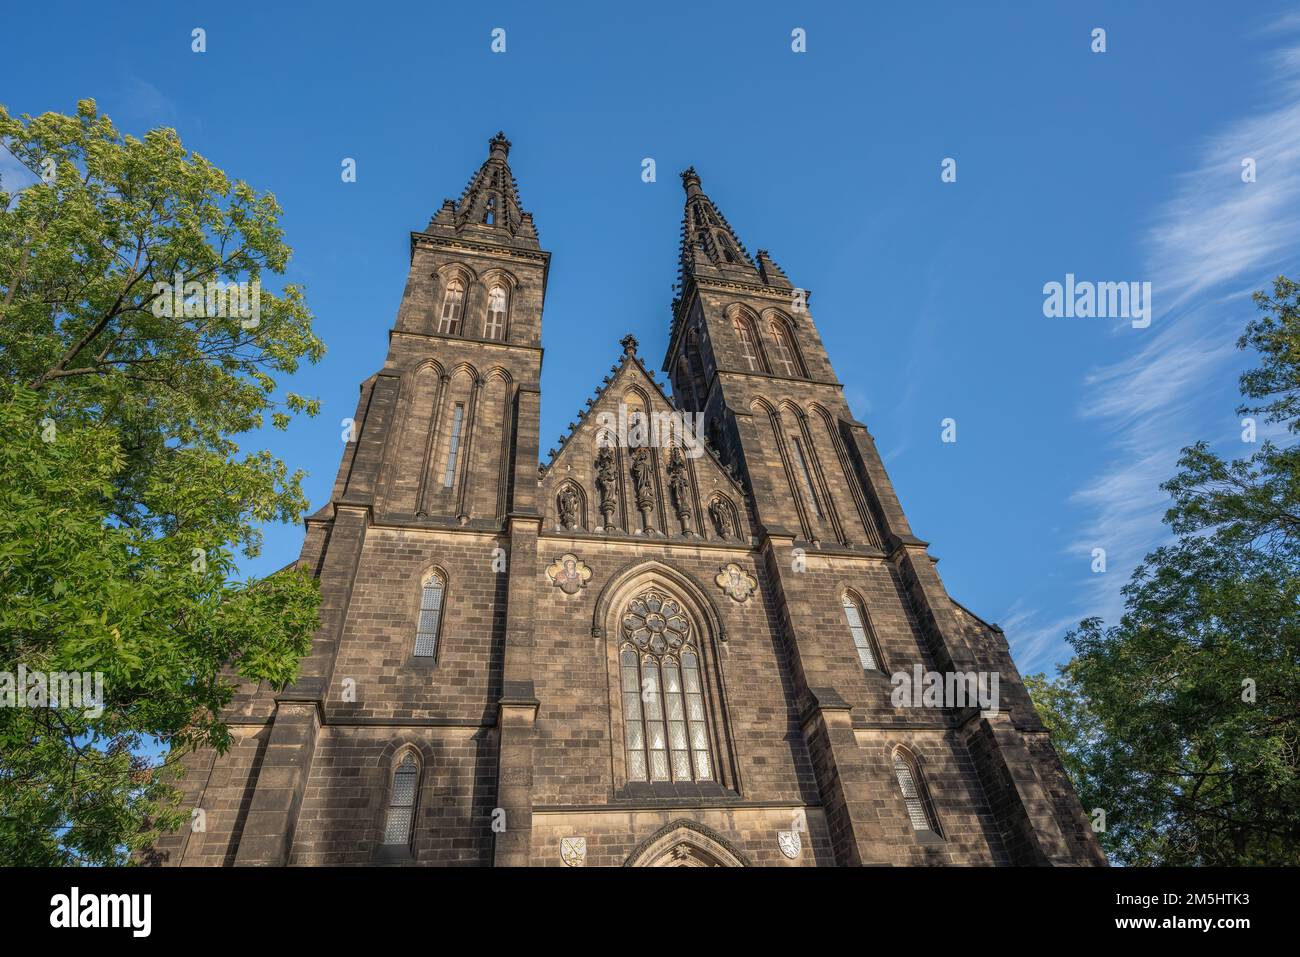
{"x": 953, "y": 689}
{"x": 213, "y": 300}
{"x": 633, "y": 429}
{"x": 1084, "y": 299}
{"x": 77, "y": 691}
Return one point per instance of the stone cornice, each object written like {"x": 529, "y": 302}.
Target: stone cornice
{"x": 468, "y": 245}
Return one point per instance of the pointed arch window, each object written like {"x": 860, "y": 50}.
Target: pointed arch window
{"x": 401, "y": 801}
{"x": 785, "y": 355}
{"x": 453, "y": 446}
{"x": 495, "y": 324}
{"x": 920, "y": 809}
{"x": 666, "y": 735}
{"x": 429, "y": 625}
{"x": 748, "y": 350}
{"x": 453, "y": 308}
{"x": 805, "y": 476}
{"x": 864, "y": 637}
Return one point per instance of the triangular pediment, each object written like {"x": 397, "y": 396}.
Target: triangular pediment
{"x": 634, "y": 464}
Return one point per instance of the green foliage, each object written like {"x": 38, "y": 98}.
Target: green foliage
{"x": 1183, "y": 721}
{"x": 122, "y": 489}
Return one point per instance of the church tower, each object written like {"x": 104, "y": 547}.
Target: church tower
{"x": 673, "y": 642}
{"x": 745, "y": 353}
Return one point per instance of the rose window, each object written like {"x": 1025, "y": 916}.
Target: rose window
{"x": 656, "y": 623}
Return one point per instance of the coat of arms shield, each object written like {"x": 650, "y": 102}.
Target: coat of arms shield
{"x": 573, "y": 851}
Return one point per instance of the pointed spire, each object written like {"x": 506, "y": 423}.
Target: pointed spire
{"x": 771, "y": 272}
{"x": 709, "y": 245}
{"x": 489, "y": 208}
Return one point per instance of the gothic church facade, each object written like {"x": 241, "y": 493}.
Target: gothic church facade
{"x": 672, "y": 644}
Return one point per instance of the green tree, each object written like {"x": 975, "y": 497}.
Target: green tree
{"x": 1183, "y": 721}
{"x": 123, "y": 493}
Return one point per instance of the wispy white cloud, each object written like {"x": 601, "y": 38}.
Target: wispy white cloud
{"x": 1213, "y": 243}
{"x": 1035, "y": 643}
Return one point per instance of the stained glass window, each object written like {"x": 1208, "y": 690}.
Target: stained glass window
{"x": 430, "y": 622}
{"x": 401, "y": 802}
{"x": 863, "y": 638}
{"x": 665, "y": 731}
{"x": 919, "y": 809}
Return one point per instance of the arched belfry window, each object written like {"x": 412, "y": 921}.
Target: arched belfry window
{"x": 429, "y": 625}
{"x": 864, "y": 637}
{"x": 495, "y": 324}
{"x": 666, "y": 734}
{"x": 786, "y": 362}
{"x": 748, "y": 350}
{"x": 401, "y": 801}
{"x": 920, "y": 809}
{"x": 453, "y": 307}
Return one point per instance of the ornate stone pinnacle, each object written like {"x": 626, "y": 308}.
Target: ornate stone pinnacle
{"x": 629, "y": 345}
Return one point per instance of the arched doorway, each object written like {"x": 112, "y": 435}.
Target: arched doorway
{"x": 686, "y": 844}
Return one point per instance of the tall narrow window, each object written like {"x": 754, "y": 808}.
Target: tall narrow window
{"x": 806, "y": 476}
{"x": 453, "y": 446}
{"x": 496, "y": 315}
{"x": 665, "y": 735}
{"x": 453, "y": 307}
{"x": 430, "y": 622}
{"x": 863, "y": 637}
{"x": 747, "y": 349}
{"x": 401, "y": 802}
{"x": 920, "y": 810}
{"x": 784, "y": 350}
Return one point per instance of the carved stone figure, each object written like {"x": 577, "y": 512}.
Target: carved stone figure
{"x": 643, "y": 483}
{"x": 679, "y": 487}
{"x": 568, "y": 503}
{"x": 607, "y": 484}
{"x": 721, "y": 517}
{"x": 736, "y": 582}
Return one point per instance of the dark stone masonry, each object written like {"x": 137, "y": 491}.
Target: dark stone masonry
{"x": 673, "y": 649}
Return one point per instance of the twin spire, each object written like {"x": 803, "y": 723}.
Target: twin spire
{"x": 489, "y": 210}
{"x": 489, "y": 207}
{"x": 711, "y": 248}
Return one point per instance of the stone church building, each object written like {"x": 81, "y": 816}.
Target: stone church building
{"x": 672, "y": 644}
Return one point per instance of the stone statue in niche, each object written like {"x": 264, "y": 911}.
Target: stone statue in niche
{"x": 679, "y": 488}
{"x": 568, "y": 503}
{"x": 607, "y": 483}
{"x": 643, "y": 483}
{"x": 720, "y": 514}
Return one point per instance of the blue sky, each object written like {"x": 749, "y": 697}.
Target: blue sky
{"x": 1115, "y": 166}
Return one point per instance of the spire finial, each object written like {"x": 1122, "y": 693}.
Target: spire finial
{"x": 499, "y": 145}
{"x": 690, "y": 181}
{"x": 629, "y": 345}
